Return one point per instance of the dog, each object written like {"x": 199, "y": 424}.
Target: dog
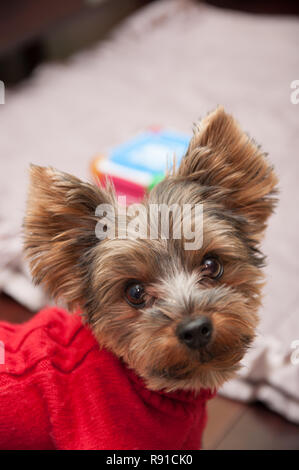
{"x": 160, "y": 327}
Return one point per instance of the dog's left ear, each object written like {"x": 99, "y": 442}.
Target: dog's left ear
{"x": 231, "y": 169}
{"x": 59, "y": 230}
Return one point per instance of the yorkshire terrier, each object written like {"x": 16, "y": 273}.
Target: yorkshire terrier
{"x": 180, "y": 319}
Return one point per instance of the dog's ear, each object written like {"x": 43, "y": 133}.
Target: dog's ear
{"x": 231, "y": 169}
{"x": 59, "y": 229}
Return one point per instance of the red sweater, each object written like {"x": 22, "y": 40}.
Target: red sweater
{"x": 59, "y": 390}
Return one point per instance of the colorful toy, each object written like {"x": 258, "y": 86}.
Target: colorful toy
{"x": 136, "y": 166}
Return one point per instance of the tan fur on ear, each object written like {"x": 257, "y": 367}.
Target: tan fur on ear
{"x": 60, "y": 231}
{"x": 223, "y": 158}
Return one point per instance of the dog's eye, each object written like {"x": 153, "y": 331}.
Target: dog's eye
{"x": 212, "y": 267}
{"x": 135, "y": 295}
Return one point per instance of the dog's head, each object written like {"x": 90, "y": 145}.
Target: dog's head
{"x": 180, "y": 314}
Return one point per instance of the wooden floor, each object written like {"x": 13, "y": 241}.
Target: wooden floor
{"x": 238, "y": 426}
{"x": 231, "y": 425}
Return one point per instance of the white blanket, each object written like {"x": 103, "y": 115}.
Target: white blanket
{"x": 168, "y": 65}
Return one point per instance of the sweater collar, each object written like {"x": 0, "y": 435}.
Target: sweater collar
{"x": 184, "y": 397}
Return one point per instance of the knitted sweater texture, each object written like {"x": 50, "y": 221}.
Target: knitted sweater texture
{"x": 60, "y": 390}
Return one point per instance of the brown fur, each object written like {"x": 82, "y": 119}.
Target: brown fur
{"x": 228, "y": 173}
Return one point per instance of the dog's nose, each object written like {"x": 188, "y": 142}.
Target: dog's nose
{"x": 195, "y": 333}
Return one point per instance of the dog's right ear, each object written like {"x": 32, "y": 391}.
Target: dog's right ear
{"x": 60, "y": 233}
{"x": 222, "y": 159}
